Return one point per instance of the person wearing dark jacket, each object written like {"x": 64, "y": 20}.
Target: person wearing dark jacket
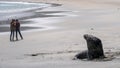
{"x": 18, "y": 30}
{"x": 12, "y": 29}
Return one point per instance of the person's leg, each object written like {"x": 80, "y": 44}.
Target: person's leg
{"x": 20, "y": 34}
{"x": 16, "y": 35}
{"x": 11, "y": 35}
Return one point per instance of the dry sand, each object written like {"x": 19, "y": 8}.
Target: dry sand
{"x": 56, "y": 48}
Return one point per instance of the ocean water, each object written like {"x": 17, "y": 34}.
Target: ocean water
{"x": 10, "y": 10}
{"x": 6, "y": 7}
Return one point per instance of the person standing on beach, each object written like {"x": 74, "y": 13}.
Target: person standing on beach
{"x": 12, "y": 29}
{"x": 18, "y": 30}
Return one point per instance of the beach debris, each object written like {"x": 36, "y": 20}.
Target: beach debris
{"x": 95, "y": 49}
{"x": 34, "y": 54}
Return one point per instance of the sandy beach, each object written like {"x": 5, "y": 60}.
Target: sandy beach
{"x": 57, "y": 44}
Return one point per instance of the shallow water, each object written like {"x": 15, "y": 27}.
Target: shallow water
{"x": 15, "y": 6}
{"x": 10, "y": 10}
